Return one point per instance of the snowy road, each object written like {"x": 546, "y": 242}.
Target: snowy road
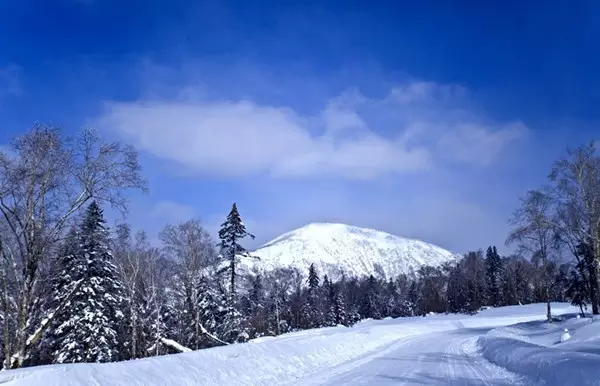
{"x": 448, "y": 358}
{"x": 434, "y": 350}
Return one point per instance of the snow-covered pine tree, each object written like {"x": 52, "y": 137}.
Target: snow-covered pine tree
{"x": 312, "y": 315}
{"x": 256, "y": 307}
{"x": 324, "y": 293}
{"x": 336, "y": 308}
{"x": 279, "y": 313}
{"x": 458, "y": 290}
{"x": 212, "y": 308}
{"x": 313, "y": 279}
{"x": 67, "y": 269}
{"x": 231, "y": 233}
{"x": 494, "y": 276}
{"x": 413, "y": 301}
{"x": 369, "y": 307}
{"x": 588, "y": 269}
{"x": 329, "y": 317}
{"x": 89, "y": 332}
{"x": 392, "y": 303}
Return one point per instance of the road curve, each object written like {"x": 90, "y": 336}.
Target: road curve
{"x": 448, "y": 358}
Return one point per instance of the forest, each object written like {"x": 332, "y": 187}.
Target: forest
{"x": 74, "y": 290}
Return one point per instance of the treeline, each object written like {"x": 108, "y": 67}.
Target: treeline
{"x": 72, "y": 290}
{"x": 127, "y": 299}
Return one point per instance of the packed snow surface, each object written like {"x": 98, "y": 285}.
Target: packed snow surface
{"x": 337, "y": 248}
{"x": 501, "y": 346}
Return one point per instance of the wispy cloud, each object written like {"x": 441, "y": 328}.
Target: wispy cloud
{"x": 414, "y": 128}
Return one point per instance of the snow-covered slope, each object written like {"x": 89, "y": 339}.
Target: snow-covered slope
{"x": 337, "y": 248}
{"x": 432, "y": 350}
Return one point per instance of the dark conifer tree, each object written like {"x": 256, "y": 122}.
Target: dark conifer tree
{"x": 312, "y": 313}
{"x": 89, "y": 333}
{"x": 231, "y": 233}
{"x": 494, "y": 277}
{"x": 577, "y": 291}
{"x": 369, "y": 307}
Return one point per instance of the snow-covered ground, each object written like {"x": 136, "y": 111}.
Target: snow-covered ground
{"x": 535, "y": 349}
{"x": 507, "y": 345}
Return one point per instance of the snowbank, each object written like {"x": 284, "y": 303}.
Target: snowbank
{"x": 269, "y": 361}
{"x": 535, "y": 350}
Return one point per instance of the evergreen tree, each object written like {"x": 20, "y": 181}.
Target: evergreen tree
{"x": 212, "y": 309}
{"x": 587, "y": 266}
{"x": 335, "y": 309}
{"x": 67, "y": 270}
{"x": 414, "y": 299}
{"x": 369, "y": 307}
{"x": 256, "y": 308}
{"x": 458, "y": 291}
{"x": 89, "y": 333}
{"x": 312, "y": 314}
{"x": 231, "y": 233}
{"x": 279, "y": 314}
{"x": 313, "y": 279}
{"x": 494, "y": 277}
{"x": 339, "y": 308}
{"x": 577, "y": 291}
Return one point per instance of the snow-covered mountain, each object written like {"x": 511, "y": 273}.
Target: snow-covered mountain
{"x": 337, "y": 248}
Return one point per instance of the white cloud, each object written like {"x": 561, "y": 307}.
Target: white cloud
{"x": 415, "y": 127}
{"x": 479, "y": 144}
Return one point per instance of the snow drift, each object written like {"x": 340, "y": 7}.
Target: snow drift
{"x": 269, "y": 361}
{"x": 535, "y": 348}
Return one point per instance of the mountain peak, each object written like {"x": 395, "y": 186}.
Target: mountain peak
{"x": 337, "y": 248}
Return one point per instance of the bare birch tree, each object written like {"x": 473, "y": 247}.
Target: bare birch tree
{"x": 44, "y": 182}
{"x": 192, "y": 247}
{"x": 533, "y": 232}
{"x": 576, "y": 192}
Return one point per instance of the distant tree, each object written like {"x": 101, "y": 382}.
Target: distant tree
{"x": 192, "y": 250}
{"x": 494, "y": 276}
{"x": 575, "y": 190}
{"x": 432, "y": 283}
{"x": 370, "y": 305}
{"x": 312, "y": 312}
{"x": 534, "y": 233}
{"x": 231, "y": 233}
{"x": 577, "y": 291}
{"x": 458, "y": 300}
{"x": 256, "y": 309}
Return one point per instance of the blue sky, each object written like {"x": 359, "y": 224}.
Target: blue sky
{"x": 424, "y": 121}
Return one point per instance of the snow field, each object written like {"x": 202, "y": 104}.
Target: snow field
{"x": 534, "y": 349}
{"x": 284, "y": 359}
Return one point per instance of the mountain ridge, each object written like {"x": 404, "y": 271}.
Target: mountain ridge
{"x": 339, "y": 249}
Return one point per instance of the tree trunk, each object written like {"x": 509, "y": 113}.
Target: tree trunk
{"x": 548, "y": 310}
{"x": 233, "y": 273}
{"x": 134, "y": 332}
{"x": 16, "y": 360}
{"x": 593, "y": 286}
{"x": 20, "y": 344}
